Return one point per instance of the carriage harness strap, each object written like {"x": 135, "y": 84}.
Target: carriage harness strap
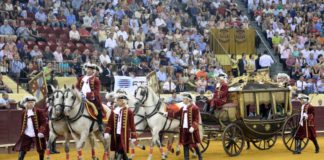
{"x": 157, "y": 110}
{"x": 79, "y": 115}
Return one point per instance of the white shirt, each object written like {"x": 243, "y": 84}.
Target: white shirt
{"x": 123, "y": 34}
{"x": 185, "y": 117}
{"x": 58, "y": 56}
{"x": 301, "y": 85}
{"x": 119, "y": 112}
{"x": 166, "y": 86}
{"x": 110, "y": 43}
{"x": 104, "y": 58}
{"x": 86, "y": 85}
{"x": 320, "y": 86}
{"x": 266, "y": 61}
{"x": 29, "y": 131}
{"x": 159, "y": 22}
{"x": 74, "y": 35}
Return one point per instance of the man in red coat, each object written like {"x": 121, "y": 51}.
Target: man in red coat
{"x": 89, "y": 85}
{"x": 189, "y": 126}
{"x": 306, "y": 127}
{"x": 32, "y": 130}
{"x": 121, "y": 127}
{"x": 220, "y": 95}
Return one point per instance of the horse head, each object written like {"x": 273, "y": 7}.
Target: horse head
{"x": 57, "y": 99}
{"x": 141, "y": 94}
{"x": 71, "y": 98}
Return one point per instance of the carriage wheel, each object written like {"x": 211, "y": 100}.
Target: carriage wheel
{"x": 265, "y": 144}
{"x": 204, "y": 144}
{"x": 233, "y": 140}
{"x": 289, "y": 131}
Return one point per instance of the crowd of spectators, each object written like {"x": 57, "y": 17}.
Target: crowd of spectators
{"x": 295, "y": 30}
{"x": 134, "y": 37}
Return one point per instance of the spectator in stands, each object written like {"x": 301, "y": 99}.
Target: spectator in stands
{"x": 16, "y": 66}
{"x": 48, "y": 54}
{"x": 201, "y": 85}
{"x": 70, "y": 18}
{"x": 104, "y": 58}
{"x": 41, "y": 17}
{"x": 266, "y": 60}
{"x": 111, "y": 44}
{"x": 123, "y": 71}
{"x": 23, "y": 31}
{"x": 251, "y": 63}
{"x": 234, "y": 63}
{"x": 169, "y": 86}
{"x": 74, "y": 33}
{"x": 242, "y": 63}
{"x": 6, "y": 29}
{"x": 5, "y": 101}
{"x": 174, "y": 98}
{"x": 35, "y": 52}
{"x": 58, "y": 55}
{"x": 320, "y": 85}
{"x": 3, "y": 87}
{"x": 52, "y": 19}
{"x": 35, "y": 34}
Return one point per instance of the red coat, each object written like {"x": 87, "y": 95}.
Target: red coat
{"x": 127, "y": 131}
{"x": 94, "y": 95}
{"x": 311, "y": 129}
{"x": 39, "y": 124}
{"x": 187, "y": 138}
{"x": 220, "y": 96}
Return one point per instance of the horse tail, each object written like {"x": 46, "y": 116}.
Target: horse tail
{"x": 201, "y": 129}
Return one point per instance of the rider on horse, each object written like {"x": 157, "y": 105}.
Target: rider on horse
{"x": 90, "y": 86}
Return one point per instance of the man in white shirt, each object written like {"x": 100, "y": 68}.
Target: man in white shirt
{"x": 58, "y": 55}
{"x": 169, "y": 86}
{"x": 110, "y": 44}
{"x": 301, "y": 85}
{"x": 123, "y": 130}
{"x": 123, "y": 33}
{"x": 265, "y": 60}
{"x": 160, "y": 22}
{"x": 33, "y": 129}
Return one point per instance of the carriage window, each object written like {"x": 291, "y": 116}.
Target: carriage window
{"x": 281, "y": 103}
{"x": 250, "y": 105}
{"x": 265, "y": 101}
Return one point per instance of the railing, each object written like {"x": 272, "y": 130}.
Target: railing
{"x": 266, "y": 46}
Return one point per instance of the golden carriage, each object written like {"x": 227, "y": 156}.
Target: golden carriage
{"x": 258, "y": 110}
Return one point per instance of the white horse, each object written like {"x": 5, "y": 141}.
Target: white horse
{"x": 155, "y": 112}
{"x": 139, "y": 117}
{"x": 81, "y": 125}
{"x": 57, "y": 124}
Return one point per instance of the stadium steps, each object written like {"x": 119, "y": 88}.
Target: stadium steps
{"x": 13, "y": 85}
{"x": 264, "y": 45}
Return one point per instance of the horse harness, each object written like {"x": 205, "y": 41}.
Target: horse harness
{"x": 144, "y": 94}
{"x": 79, "y": 114}
{"x": 61, "y": 116}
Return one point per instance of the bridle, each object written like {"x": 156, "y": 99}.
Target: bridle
{"x": 54, "y": 95}
{"x": 66, "y": 95}
{"x": 144, "y": 93}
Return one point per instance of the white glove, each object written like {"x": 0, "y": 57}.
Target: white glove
{"x": 133, "y": 140}
{"x": 165, "y": 114}
{"x": 40, "y": 135}
{"x": 305, "y": 115}
{"x": 191, "y": 129}
{"x": 106, "y": 135}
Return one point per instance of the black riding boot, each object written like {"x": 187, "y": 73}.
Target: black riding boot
{"x": 298, "y": 147}
{"x": 99, "y": 120}
{"x": 53, "y": 148}
{"x": 21, "y": 155}
{"x": 186, "y": 152}
{"x": 198, "y": 153}
{"x": 316, "y": 146}
{"x": 41, "y": 156}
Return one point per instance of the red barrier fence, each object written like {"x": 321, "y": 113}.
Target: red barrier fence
{"x": 10, "y": 121}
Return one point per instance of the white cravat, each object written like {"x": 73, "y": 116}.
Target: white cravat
{"x": 185, "y": 117}
{"x": 119, "y": 113}
{"x": 86, "y": 85}
{"x": 302, "y": 115}
{"x": 29, "y": 131}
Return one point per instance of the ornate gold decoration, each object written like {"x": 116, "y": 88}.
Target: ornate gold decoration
{"x": 267, "y": 127}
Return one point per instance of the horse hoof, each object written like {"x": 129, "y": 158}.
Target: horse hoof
{"x": 143, "y": 148}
